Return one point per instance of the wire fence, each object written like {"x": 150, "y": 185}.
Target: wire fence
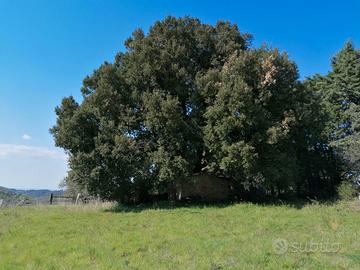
{"x": 52, "y": 199}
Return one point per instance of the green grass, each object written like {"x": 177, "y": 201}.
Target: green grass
{"x": 239, "y": 236}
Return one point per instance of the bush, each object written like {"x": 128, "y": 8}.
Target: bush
{"x": 347, "y": 191}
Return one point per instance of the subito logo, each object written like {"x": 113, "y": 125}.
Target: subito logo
{"x": 280, "y": 246}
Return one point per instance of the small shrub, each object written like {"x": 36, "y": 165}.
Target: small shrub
{"x": 347, "y": 191}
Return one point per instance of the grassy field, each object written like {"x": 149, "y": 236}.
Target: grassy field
{"x": 240, "y": 236}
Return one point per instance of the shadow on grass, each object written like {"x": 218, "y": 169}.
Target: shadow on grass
{"x": 165, "y": 205}
{"x": 296, "y": 203}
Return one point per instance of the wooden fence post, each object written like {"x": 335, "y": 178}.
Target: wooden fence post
{"x": 77, "y": 198}
{"x": 51, "y": 198}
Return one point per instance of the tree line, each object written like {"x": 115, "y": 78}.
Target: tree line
{"x": 189, "y": 97}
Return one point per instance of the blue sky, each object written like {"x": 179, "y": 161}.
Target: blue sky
{"x": 48, "y": 47}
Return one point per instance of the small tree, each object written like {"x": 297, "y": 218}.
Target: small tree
{"x": 340, "y": 92}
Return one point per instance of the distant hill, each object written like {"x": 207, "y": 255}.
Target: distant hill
{"x": 36, "y": 193}
{"x": 11, "y": 196}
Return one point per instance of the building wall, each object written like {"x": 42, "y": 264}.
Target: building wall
{"x": 205, "y": 187}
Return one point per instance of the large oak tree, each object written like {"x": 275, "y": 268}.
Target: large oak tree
{"x": 184, "y": 98}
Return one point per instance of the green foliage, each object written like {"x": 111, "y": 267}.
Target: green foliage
{"x": 187, "y": 98}
{"x": 347, "y": 191}
{"x": 139, "y": 128}
{"x": 340, "y": 92}
{"x": 249, "y": 125}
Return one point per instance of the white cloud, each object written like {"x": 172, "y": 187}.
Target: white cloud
{"x": 25, "y": 151}
{"x": 26, "y": 137}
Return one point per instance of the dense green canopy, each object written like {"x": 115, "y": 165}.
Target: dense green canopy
{"x": 340, "y": 92}
{"x": 189, "y": 97}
